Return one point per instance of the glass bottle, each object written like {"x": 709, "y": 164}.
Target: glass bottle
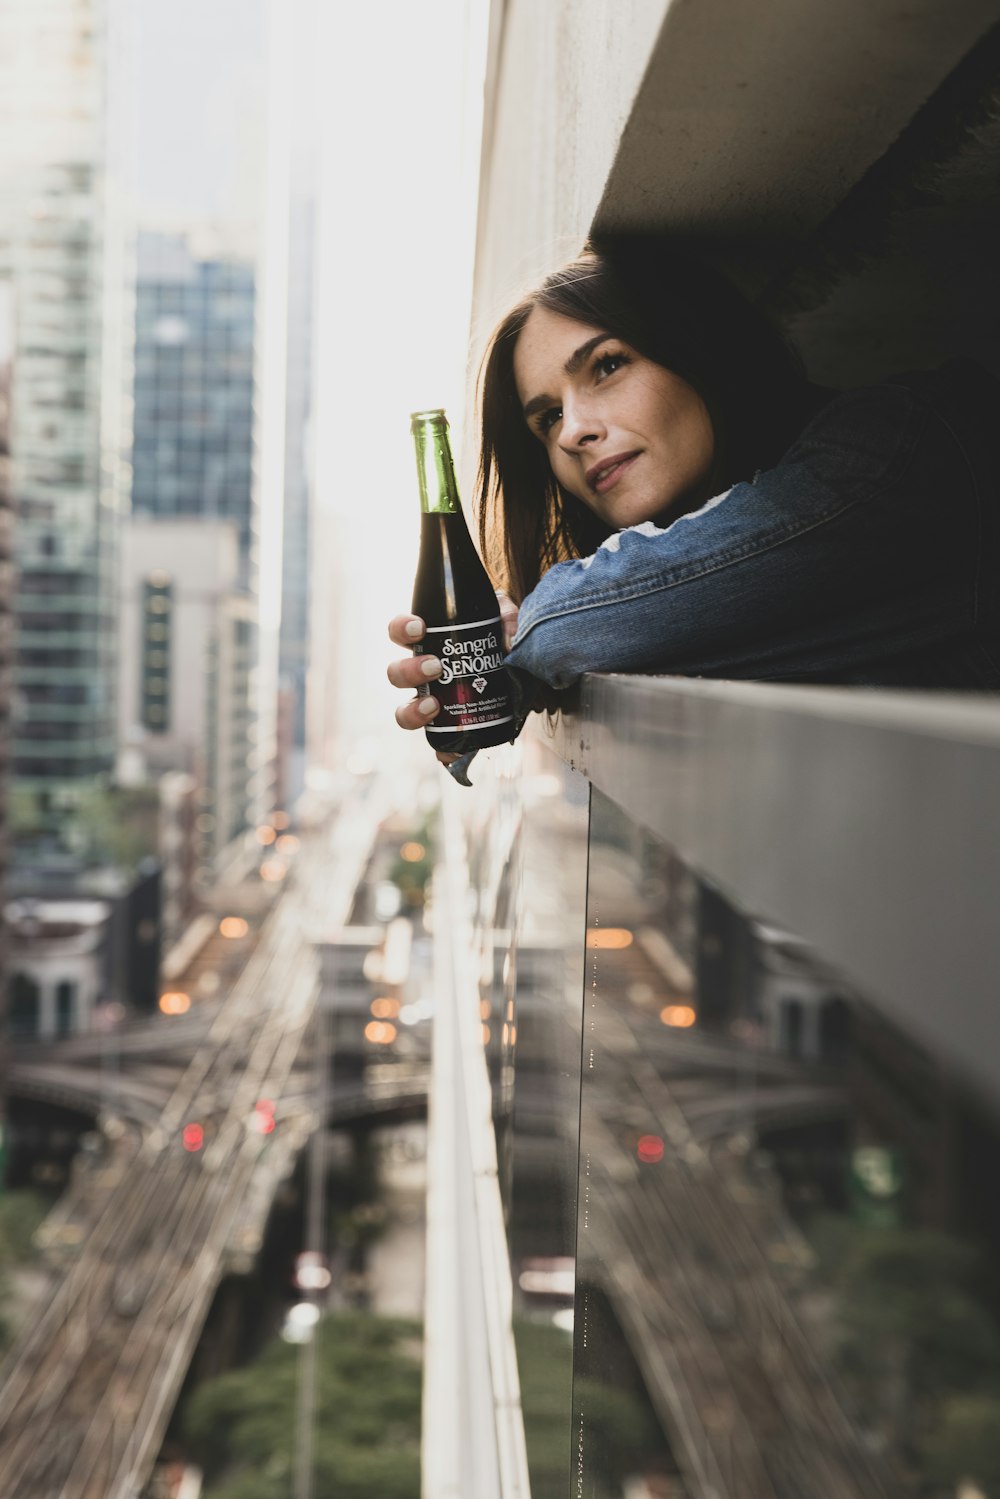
{"x": 453, "y": 595}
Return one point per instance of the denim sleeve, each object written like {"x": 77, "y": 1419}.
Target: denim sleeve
{"x": 861, "y": 543}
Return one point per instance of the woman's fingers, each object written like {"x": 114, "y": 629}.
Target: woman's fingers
{"x": 406, "y": 629}
{"x": 413, "y": 671}
{"x": 418, "y": 712}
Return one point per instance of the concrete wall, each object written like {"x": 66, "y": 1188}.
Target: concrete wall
{"x": 212, "y": 731}
{"x": 756, "y": 116}
{"x": 60, "y": 943}
{"x": 201, "y": 557}
{"x": 745, "y": 128}
{"x": 563, "y": 78}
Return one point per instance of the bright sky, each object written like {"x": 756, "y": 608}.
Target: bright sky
{"x": 200, "y": 81}
{"x": 398, "y": 89}
{"x": 400, "y": 164}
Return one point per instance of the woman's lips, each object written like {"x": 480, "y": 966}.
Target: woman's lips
{"x": 605, "y": 475}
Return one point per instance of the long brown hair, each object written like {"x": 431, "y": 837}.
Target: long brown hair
{"x": 679, "y": 313}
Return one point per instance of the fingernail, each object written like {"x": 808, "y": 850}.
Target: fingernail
{"x": 428, "y": 705}
{"x": 415, "y": 629}
{"x": 431, "y": 667}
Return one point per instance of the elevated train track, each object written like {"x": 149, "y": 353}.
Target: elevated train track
{"x": 700, "y": 1265}
{"x": 86, "y": 1392}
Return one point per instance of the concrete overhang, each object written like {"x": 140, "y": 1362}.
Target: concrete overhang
{"x": 755, "y": 117}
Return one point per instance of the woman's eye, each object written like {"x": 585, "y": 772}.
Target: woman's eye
{"x": 608, "y": 363}
{"x": 548, "y": 419}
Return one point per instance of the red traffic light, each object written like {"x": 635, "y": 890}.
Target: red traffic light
{"x": 263, "y": 1120}
{"x": 649, "y": 1149}
{"x": 193, "y": 1137}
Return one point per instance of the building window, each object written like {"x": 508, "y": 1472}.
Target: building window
{"x": 65, "y": 1008}
{"x": 23, "y": 1006}
{"x": 157, "y": 620}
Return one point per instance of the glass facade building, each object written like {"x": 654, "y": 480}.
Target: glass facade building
{"x": 194, "y": 389}
{"x": 62, "y": 254}
{"x": 194, "y": 450}
{"x": 297, "y": 543}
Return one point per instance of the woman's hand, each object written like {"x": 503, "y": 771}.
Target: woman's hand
{"x": 508, "y": 619}
{"x": 418, "y": 671}
{"x": 412, "y": 671}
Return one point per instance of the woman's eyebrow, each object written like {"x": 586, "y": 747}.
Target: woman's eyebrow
{"x": 578, "y": 358}
{"x": 573, "y": 365}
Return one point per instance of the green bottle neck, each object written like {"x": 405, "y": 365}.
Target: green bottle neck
{"x": 435, "y": 466}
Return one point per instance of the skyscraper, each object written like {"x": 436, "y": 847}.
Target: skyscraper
{"x": 193, "y": 486}
{"x": 194, "y": 389}
{"x": 299, "y": 538}
{"x": 62, "y": 242}
{"x": 186, "y": 632}
{"x": 6, "y": 637}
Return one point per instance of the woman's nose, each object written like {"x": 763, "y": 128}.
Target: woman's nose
{"x": 581, "y": 424}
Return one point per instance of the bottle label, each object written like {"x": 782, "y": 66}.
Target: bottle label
{"x": 472, "y": 688}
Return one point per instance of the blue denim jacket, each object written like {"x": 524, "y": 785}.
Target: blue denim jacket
{"x": 869, "y": 554}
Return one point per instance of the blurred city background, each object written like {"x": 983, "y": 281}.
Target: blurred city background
{"x": 227, "y": 275}
{"x": 625, "y": 1127}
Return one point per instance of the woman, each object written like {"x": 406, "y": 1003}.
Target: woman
{"x": 662, "y": 490}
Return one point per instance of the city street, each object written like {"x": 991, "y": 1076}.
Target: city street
{"x": 87, "y": 1391}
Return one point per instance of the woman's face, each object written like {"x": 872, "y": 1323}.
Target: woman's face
{"x": 630, "y": 439}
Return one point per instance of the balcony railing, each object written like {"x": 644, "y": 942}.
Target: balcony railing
{"x": 730, "y": 972}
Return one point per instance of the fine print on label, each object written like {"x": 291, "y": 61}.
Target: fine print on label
{"x": 472, "y": 687}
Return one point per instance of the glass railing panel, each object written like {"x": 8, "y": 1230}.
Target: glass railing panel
{"x": 788, "y": 1225}
{"x": 529, "y": 865}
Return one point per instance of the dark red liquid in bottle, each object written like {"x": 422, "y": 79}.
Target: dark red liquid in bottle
{"x": 453, "y": 595}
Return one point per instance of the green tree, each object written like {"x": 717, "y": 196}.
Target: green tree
{"x": 21, "y": 1212}
{"x": 620, "y": 1425}
{"x": 117, "y": 826}
{"x": 109, "y": 825}
{"x": 915, "y": 1344}
{"x": 24, "y": 810}
{"x": 411, "y": 873}
{"x": 240, "y": 1428}
{"x": 964, "y": 1443}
